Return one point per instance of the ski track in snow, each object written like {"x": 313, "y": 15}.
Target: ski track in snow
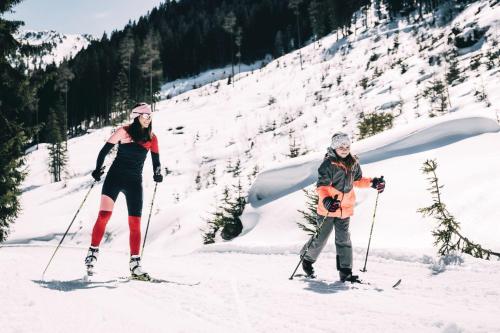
{"x": 251, "y": 294}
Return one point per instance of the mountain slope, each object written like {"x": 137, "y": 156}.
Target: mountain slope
{"x": 59, "y": 46}
{"x": 244, "y": 282}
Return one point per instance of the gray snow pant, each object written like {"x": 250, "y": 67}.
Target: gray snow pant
{"x": 342, "y": 241}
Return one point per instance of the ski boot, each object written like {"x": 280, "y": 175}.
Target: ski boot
{"x": 347, "y": 276}
{"x": 136, "y": 271}
{"x": 308, "y": 268}
{"x": 91, "y": 259}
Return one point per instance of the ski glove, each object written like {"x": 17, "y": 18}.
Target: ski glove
{"x": 331, "y": 204}
{"x": 157, "y": 177}
{"x": 378, "y": 184}
{"x": 97, "y": 173}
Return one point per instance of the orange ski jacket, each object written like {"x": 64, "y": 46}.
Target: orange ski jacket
{"x": 335, "y": 178}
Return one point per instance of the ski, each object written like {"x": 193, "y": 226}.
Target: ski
{"x": 305, "y": 277}
{"x": 397, "y": 283}
{"x": 156, "y": 280}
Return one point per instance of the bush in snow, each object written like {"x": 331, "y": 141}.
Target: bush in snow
{"x": 363, "y": 82}
{"x": 447, "y": 235}
{"x": 475, "y": 62}
{"x": 226, "y": 219}
{"x": 466, "y": 37}
{"x": 374, "y": 123}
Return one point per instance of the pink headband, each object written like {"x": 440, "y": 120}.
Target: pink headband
{"x": 143, "y": 108}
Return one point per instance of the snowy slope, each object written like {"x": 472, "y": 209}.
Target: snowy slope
{"x": 244, "y": 282}
{"x": 63, "y": 46}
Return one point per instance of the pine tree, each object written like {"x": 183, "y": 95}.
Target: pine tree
{"x": 64, "y": 76}
{"x": 16, "y": 97}
{"x": 295, "y": 6}
{"x": 226, "y": 218}
{"x": 279, "y": 49}
{"x": 57, "y": 148}
{"x": 232, "y": 210}
{"x": 150, "y": 65}
{"x": 216, "y": 222}
{"x": 121, "y": 100}
{"x": 374, "y": 123}
{"x": 436, "y": 93}
{"x": 448, "y": 236}
{"x": 309, "y": 224}
{"x": 238, "y": 40}
{"x": 230, "y": 27}
{"x": 125, "y": 52}
{"x": 453, "y": 72}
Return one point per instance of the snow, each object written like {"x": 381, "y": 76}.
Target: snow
{"x": 244, "y": 283}
{"x": 65, "y": 46}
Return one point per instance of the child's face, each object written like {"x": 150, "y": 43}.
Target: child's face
{"x": 343, "y": 151}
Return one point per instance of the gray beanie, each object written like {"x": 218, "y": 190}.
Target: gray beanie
{"x": 340, "y": 139}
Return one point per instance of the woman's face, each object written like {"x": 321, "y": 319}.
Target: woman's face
{"x": 343, "y": 151}
{"x": 145, "y": 120}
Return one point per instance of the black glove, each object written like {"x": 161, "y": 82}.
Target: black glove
{"x": 157, "y": 177}
{"x": 378, "y": 184}
{"x": 331, "y": 204}
{"x": 97, "y": 173}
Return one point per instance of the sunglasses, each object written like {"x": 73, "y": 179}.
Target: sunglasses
{"x": 145, "y": 116}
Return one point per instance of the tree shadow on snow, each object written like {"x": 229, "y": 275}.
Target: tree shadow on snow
{"x": 77, "y": 284}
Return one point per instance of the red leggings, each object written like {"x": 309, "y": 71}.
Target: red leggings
{"x": 134, "y": 223}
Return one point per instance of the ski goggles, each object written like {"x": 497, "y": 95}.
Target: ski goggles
{"x": 145, "y": 115}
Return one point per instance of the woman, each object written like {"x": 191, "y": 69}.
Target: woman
{"x": 125, "y": 175}
{"x": 337, "y": 175}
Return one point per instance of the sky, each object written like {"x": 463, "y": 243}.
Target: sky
{"x": 82, "y": 17}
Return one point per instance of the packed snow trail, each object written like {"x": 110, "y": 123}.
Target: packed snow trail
{"x": 244, "y": 292}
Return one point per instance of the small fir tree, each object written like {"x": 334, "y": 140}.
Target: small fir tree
{"x": 453, "y": 72}
{"x": 447, "y": 235}
{"x": 57, "y": 148}
{"x": 308, "y": 224}
{"x": 437, "y": 95}
{"x": 226, "y": 219}
{"x": 374, "y": 123}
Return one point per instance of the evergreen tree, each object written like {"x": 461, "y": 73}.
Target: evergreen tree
{"x": 150, "y": 65}
{"x": 295, "y": 6}
{"x": 121, "y": 102}
{"x": 16, "y": 97}
{"x": 448, "y": 236}
{"x": 57, "y": 148}
{"x": 309, "y": 224}
{"x": 64, "y": 75}
{"x": 226, "y": 218}
{"x": 437, "y": 95}
{"x": 374, "y": 123}
{"x": 126, "y": 50}
{"x": 279, "y": 49}
{"x": 238, "y": 40}
{"x": 230, "y": 27}
{"x": 453, "y": 72}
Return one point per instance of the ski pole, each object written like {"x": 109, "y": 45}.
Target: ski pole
{"x": 67, "y": 230}
{"x": 313, "y": 237}
{"x": 149, "y": 219}
{"x": 371, "y": 231}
